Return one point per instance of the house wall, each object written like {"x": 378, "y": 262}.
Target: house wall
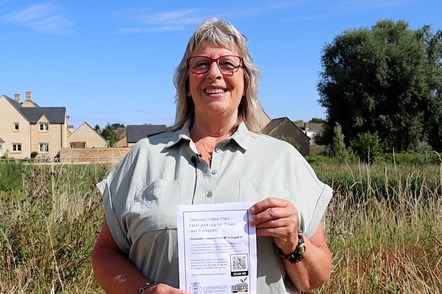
{"x": 110, "y": 155}
{"x": 53, "y": 136}
{"x": 85, "y": 133}
{"x": 121, "y": 143}
{"x": 8, "y": 116}
{"x": 290, "y": 132}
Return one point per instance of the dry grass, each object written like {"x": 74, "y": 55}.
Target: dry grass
{"x": 384, "y": 226}
{"x": 389, "y": 242}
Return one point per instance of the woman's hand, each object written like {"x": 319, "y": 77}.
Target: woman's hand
{"x": 165, "y": 289}
{"x": 277, "y": 218}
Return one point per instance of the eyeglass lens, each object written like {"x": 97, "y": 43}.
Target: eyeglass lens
{"x": 226, "y": 64}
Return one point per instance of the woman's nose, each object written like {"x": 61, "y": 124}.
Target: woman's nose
{"x": 214, "y": 71}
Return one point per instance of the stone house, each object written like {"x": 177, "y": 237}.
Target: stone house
{"x": 26, "y": 127}
{"x": 284, "y": 129}
{"x": 86, "y": 137}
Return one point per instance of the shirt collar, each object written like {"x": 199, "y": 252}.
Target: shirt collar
{"x": 241, "y": 136}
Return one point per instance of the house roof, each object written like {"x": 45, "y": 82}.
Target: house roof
{"x": 314, "y": 127}
{"x": 1, "y": 140}
{"x": 137, "y": 132}
{"x": 272, "y": 125}
{"x": 280, "y": 125}
{"x": 55, "y": 115}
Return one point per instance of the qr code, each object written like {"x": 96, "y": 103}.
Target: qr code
{"x": 239, "y": 262}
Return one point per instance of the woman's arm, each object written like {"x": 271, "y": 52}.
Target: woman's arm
{"x": 278, "y": 218}
{"x": 115, "y": 273}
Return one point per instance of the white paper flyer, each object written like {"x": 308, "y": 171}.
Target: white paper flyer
{"x": 217, "y": 248}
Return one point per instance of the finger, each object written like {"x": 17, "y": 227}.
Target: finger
{"x": 280, "y": 222}
{"x": 273, "y": 216}
{"x": 268, "y": 203}
{"x": 284, "y": 233}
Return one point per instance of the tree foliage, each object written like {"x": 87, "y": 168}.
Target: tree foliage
{"x": 109, "y": 132}
{"x": 367, "y": 146}
{"x": 385, "y": 80}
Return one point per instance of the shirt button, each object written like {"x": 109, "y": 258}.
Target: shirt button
{"x": 217, "y": 149}
{"x": 214, "y": 172}
{"x": 209, "y": 194}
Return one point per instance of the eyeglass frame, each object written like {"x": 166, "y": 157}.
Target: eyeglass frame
{"x": 212, "y": 60}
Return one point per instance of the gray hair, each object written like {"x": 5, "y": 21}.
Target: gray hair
{"x": 223, "y": 34}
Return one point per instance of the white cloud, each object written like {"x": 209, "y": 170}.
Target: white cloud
{"x": 43, "y": 17}
{"x": 167, "y": 21}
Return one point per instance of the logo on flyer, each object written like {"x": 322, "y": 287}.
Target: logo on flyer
{"x": 195, "y": 288}
{"x": 240, "y": 287}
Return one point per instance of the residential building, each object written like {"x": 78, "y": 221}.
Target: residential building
{"x": 86, "y": 137}
{"x": 284, "y": 129}
{"x": 133, "y": 133}
{"x": 312, "y": 130}
{"x": 26, "y": 127}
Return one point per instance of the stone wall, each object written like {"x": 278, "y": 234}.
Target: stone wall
{"x": 100, "y": 155}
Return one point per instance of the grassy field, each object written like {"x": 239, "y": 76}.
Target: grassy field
{"x": 384, "y": 226}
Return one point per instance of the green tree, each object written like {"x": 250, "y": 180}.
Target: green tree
{"x": 367, "y": 146}
{"x": 109, "y": 132}
{"x": 387, "y": 80}
{"x": 338, "y": 143}
{"x": 317, "y": 120}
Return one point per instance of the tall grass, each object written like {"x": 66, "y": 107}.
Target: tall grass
{"x": 47, "y": 230}
{"x": 384, "y": 226}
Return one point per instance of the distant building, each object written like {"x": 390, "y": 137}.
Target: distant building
{"x": 284, "y": 129}
{"x": 86, "y": 137}
{"x": 26, "y": 127}
{"x": 133, "y": 133}
{"x": 311, "y": 130}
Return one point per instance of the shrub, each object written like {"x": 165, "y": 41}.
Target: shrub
{"x": 424, "y": 152}
{"x": 367, "y": 146}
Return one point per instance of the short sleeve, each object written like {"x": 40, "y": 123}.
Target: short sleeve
{"x": 112, "y": 220}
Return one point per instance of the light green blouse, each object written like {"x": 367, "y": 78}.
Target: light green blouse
{"x": 141, "y": 193}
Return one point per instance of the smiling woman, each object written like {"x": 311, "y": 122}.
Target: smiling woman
{"x": 214, "y": 154}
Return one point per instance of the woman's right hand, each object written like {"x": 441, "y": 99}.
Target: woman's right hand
{"x": 166, "y": 289}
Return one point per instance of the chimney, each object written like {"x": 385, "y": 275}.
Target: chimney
{"x": 17, "y": 97}
{"x": 28, "y": 95}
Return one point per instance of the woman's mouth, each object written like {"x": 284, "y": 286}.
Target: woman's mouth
{"x": 214, "y": 91}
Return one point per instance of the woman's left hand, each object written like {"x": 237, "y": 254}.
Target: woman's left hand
{"x": 277, "y": 218}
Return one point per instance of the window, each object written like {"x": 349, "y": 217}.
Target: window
{"x": 16, "y": 147}
{"x": 44, "y": 127}
{"x": 16, "y": 126}
{"x": 44, "y": 147}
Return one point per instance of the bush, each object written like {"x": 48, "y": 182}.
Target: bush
{"x": 367, "y": 146}
{"x": 424, "y": 152}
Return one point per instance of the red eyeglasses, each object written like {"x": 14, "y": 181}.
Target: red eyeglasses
{"x": 227, "y": 64}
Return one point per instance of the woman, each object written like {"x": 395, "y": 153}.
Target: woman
{"x": 214, "y": 155}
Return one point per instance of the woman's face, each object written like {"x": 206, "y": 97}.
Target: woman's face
{"x": 213, "y": 92}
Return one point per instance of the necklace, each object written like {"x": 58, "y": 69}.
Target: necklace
{"x": 207, "y": 149}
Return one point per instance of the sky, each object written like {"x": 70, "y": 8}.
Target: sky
{"x": 113, "y": 61}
